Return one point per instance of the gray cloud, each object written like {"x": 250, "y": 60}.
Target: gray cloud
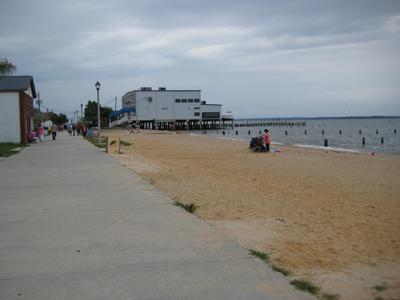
{"x": 287, "y": 58}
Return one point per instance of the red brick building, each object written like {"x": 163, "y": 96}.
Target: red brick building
{"x": 16, "y": 108}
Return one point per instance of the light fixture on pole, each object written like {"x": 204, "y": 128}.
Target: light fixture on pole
{"x": 97, "y": 85}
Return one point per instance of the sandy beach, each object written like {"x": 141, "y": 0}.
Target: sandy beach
{"x": 329, "y": 217}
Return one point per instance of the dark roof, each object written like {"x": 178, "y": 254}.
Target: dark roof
{"x": 17, "y": 83}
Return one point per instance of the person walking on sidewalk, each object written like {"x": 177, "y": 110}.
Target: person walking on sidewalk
{"x": 54, "y": 131}
{"x": 41, "y": 132}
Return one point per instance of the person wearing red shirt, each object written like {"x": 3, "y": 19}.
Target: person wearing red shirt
{"x": 267, "y": 139}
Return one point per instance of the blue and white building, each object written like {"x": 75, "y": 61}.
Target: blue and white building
{"x": 166, "y": 109}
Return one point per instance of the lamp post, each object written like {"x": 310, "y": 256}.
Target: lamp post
{"x": 97, "y": 85}
{"x": 82, "y": 114}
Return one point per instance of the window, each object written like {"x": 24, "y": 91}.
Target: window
{"x": 210, "y": 115}
{"x": 197, "y": 114}
{"x": 184, "y": 100}
{"x": 177, "y": 100}
{"x": 190, "y": 100}
{"x": 196, "y": 100}
{"x": 197, "y": 108}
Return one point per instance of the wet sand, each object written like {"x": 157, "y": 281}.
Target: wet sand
{"x": 330, "y": 217}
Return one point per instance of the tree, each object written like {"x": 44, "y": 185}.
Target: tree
{"x": 58, "y": 119}
{"x": 62, "y": 119}
{"x": 38, "y": 117}
{"x": 91, "y": 114}
{"x": 6, "y": 67}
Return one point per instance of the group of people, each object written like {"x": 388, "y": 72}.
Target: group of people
{"x": 261, "y": 143}
{"x": 78, "y": 129}
{"x": 37, "y": 136}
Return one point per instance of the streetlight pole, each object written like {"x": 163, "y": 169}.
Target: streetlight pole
{"x": 97, "y": 85}
{"x": 82, "y": 114}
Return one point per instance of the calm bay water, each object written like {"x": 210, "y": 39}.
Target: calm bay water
{"x": 350, "y": 139}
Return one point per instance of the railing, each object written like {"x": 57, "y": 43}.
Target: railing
{"x": 122, "y": 121}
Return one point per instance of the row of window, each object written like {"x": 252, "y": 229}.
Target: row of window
{"x": 187, "y": 100}
{"x": 196, "y": 113}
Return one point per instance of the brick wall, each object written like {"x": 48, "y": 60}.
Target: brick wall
{"x": 26, "y": 115}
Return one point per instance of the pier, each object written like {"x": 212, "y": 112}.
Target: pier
{"x": 224, "y": 123}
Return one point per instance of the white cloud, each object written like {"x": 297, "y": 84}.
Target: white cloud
{"x": 210, "y": 51}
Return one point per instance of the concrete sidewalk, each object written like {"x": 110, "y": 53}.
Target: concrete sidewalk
{"x": 77, "y": 224}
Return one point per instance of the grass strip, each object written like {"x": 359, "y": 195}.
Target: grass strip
{"x": 304, "y": 285}
{"x": 280, "y": 270}
{"x": 95, "y": 141}
{"x": 263, "y": 256}
{"x": 8, "y": 149}
{"x": 329, "y": 297}
{"x": 380, "y": 287}
{"x": 188, "y": 207}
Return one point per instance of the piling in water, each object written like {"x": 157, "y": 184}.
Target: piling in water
{"x": 326, "y": 142}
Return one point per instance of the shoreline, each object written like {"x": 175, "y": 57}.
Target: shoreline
{"x": 302, "y": 146}
{"x": 319, "y": 214}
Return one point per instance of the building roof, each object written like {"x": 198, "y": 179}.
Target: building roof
{"x": 17, "y": 83}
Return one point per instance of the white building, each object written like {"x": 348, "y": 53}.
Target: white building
{"x": 16, "y": 108}
{"x": 168, "y": 108}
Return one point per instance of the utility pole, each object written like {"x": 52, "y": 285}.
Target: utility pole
{"x": 38, "y": 101}
{"x": 115, "y": 103}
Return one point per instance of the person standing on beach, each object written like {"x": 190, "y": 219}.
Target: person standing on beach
{"x": 267, "y": 139}
{"x": 54, "y": 131}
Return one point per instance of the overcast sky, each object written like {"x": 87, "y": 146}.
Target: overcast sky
{"x": 256, "y": 57}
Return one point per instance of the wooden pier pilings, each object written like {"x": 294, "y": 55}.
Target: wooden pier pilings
{"x": 270, "y": 123}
